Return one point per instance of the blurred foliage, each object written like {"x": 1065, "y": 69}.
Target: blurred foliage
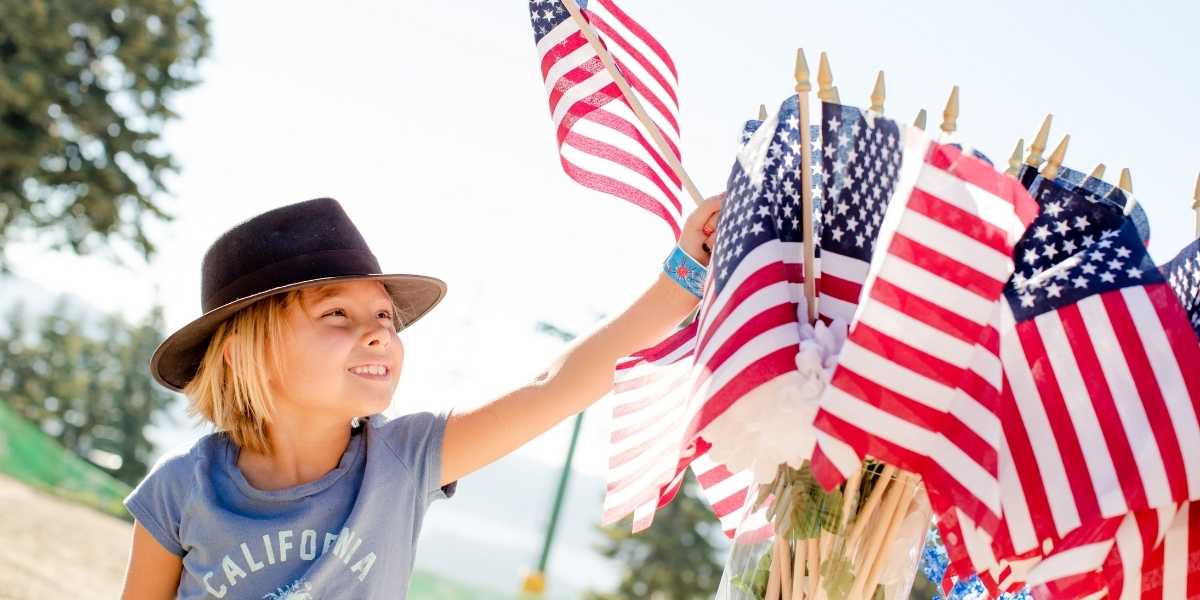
{"x": 90, "y": 390}
{"x": 675, "y": 559}
{"x": 85, "y": 90}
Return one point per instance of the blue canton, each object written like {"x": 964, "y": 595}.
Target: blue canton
{"x": 1183, "y": 273}
{"x": 860, "y": 160}
{"x": 757, "y": 213}
{"x": 1077, "y": 247}
{"x": 548, "y": 14}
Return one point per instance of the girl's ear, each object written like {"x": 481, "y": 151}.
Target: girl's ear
{"x": 227, "y": 352}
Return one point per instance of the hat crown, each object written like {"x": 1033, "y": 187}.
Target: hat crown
{"x": 297, "y": 242}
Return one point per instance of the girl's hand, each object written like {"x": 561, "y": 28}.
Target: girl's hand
{"x": 700, "y": 229}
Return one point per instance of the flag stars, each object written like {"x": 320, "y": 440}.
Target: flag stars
{"x": 1107, "y": 277}
{"x": 1134, "y": 273}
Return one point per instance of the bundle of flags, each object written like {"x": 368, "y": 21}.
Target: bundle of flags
{"x": 1012, "y": 342}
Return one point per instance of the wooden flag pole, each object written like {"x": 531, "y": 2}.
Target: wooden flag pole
{"x": 659, "y": 141}
{"x": 1196, "y": 205}
{"x": 1056, "y": 159}
{"x": 919, "y": 122}
{"x": 1098, "y": 172}
{"x": 878, "y": 93}
{"x": 1039, "y": 143}
{"x": 1014, "y": 161}
{"x": 950, "y": 115}
{"x": 803, "y": 87}
{"x": 825, "y": 90}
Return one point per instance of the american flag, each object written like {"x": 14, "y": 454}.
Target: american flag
{"x": 920, "y": 344}
{"x": 859, "y": 160}
{"x": 1183, "y": 273}
{"x": 1099, "y": 407}
{"x": 601, "y": 143}
{"x": 653, "y": 397}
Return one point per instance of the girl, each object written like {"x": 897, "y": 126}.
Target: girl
{"x": 304, "y": 490}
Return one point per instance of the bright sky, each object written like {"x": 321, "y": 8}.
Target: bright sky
{"x": 428, "y": 120}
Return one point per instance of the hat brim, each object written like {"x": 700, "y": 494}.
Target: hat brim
{"x": 178, "y": 357}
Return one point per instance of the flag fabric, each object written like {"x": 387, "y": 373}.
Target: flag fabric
{"x": 1183, "y": 273}
{"x": 923, "y": 330}
{"x": 859, "y": 159}
{"x": 601, "y": 143}
{"x": 748, "y": 335}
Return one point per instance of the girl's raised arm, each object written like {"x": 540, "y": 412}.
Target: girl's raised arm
{"x": 582, "y": 374}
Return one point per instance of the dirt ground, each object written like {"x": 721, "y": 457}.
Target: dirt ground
{"x": 52, "y": 548}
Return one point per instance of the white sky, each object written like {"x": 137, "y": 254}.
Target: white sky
{"x": 428, "y": 121}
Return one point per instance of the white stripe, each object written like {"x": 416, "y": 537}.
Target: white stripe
{"x": 1130, "y": 406}
{"x": 1072, "y": 561}
{"x": 923, "y": 337}
{"x": 561, "y": 32}
{"x": 594, "y": 164}
{"x": 761, "y": 300}
{"x": 1037, "y": 426}
{"x": 1084, "y": 423}
{"x": 663, "y": 432}
{"x": 637, "y": 43}
{"x": 647, "y": 480}
{"x": 567, "y": 63}
{"x": 1129, "y": 546}
{"x": 844, "y": 267}
{"x": 932, "y": 287}
{"x": 835, "y": 308}
{"x": 955, "y": 245}
{"x": 1170, "y": 380}
{"x": 895, "y": 377}
{"x": 762, "y": 344}
{"x": 577, "y": 93}
{"x": 665, "y": 402}
{"x": 841, "y": 455}
{"x": 972, "y": 199}
{"x": 977, "y": 542}
{"x": 1175, "y": 556}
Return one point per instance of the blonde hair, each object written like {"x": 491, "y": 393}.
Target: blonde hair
{"x": 235, "y": 396}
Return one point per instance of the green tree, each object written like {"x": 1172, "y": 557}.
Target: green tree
{"x": 675, "y": 559}
{"x": 85, "y": 90}
{"x": 86, "y": 383}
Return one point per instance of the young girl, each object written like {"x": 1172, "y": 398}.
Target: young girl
{"x": 304, "y": 490}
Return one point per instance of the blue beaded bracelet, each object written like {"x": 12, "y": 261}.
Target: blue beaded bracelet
{"x": 686, "y": 271}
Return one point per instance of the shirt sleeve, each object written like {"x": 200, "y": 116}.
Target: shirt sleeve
{"x": 417, "y": 440}
{"x": 159, "y": 500}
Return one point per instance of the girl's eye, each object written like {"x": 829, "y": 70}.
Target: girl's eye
{"x": 383, "y": 314}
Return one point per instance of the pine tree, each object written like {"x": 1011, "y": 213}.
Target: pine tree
{"x": 675, "y": 559}
{"x": 85, "y": 90}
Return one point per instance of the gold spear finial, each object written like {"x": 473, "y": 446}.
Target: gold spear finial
{"x": 762, "y": 112}
{"x": 802, "y": 83}
{"x": 1039, "y": 143}
{"x": 1056, "y": 158}
{"x": 919, "y": 122}
{"x": 878, "y": 94}
{"x": 1098, "y": 172}
{"x": 950, "y": 115}
{"x": 1196, "y": 195}
{"x": 1126, "y": 182}
{"x": 1014, "y": 161}
{"x": 825, "y": 80}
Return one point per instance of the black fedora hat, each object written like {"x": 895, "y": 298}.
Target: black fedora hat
{"x": 295, "y": 246}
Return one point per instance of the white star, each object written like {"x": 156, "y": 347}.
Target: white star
{"x": 1053, "y": 209}
{"x": 1027, "y": 300}
{"x": 1041, "y": 233}
{"x": 1080, "y": 282}
{"x": 792, "y": 122}
{"x": 1115, "y": 264}
{"x": 1081, "y": 222}
{"x": 1107, "y": 277}
{"x": 1049, "y": 251}
{"x": 1134, "y": 272}
{"x": 1061, "y": 227}
{"x": 835, "y": 124}
{"x": 1031, "y": 256}
{"x": 757, "y": 228}
{"x": 1053, "y": 290}
{"x": 1123, "y": 252}
{"x": 1088, "y": 269}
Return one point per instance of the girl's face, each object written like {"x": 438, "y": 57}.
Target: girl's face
{"x": 332, "y": 332}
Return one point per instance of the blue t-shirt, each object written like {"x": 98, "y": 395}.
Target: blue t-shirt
{"x": 350, "y": 534}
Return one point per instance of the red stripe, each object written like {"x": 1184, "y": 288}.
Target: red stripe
{"x": 556, "y": 53}
{"x": 1107, "y": 413}
{"x": 664, "y": 348}
{"x": 1193, "y": 553}
{"x": 608, "y": 33}
{"x": 930, "y": 313}
{"x": 905, "y": 356}
{"x": 1180, "y": 336}
{"x": 970, "y": 225}
{"x": 641, "y": 33}
{"x": 949, "y": 269}
{"x": 581, "y": 73}
{"x": 1025, "y": 465}
{"x": 984, "y": 176}
{"x": 842, "y": 289}
{"x": 639, "y": 86}
{"x": 1147, "y": 387}
{"x": 756, "y": 373}
{"x": 1066, "y": 437}
{"x": 618, "y": 156}
{"x": 730, "y": 504}
{"x": 768, "y": 274}
{"x": 608, "y": 185}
